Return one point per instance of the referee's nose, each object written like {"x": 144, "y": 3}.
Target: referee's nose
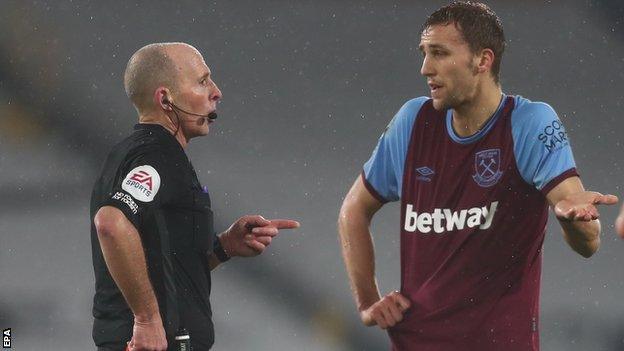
{"x": 216, "y": 94}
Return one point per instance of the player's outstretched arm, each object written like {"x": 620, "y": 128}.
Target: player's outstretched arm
{"x": 123, "y": 252}
{"x": 578, "y": 215}
{"x": 250, "y": 236}
{"x": 354, "y": 220}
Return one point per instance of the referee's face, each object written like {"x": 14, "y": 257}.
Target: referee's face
{"x": 448, "y": 64}
{"x": 196, "y": 92}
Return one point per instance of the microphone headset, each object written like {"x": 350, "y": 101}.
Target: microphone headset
{"x": 211, "y": 116}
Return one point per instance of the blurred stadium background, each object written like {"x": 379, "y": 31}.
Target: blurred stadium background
{"x": 308, "y": 87}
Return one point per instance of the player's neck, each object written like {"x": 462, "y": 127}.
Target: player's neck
{"x": 165, "y": 122}
{"x": 470, "y": 117}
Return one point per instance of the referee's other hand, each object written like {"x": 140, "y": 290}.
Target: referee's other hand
{"x": 148, "y": 335}
{"x": 250, "y": 235}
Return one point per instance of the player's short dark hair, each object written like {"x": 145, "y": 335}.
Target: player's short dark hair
{"x": 479, "y": 25}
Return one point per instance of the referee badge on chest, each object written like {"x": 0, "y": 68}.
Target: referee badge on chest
{"x": 487, "y": 167}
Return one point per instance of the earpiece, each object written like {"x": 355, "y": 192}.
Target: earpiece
{"x": 166, "y": 102}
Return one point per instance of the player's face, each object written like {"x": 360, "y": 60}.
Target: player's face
{"x": 449, "y": 65}
{"x": 196, "y": 93}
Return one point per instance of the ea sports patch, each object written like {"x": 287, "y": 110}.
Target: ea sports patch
{"x": 142, "y": 183}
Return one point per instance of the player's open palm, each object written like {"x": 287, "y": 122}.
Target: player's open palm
{"x": 581, "y": 206}
{"x": 387, "y": 312}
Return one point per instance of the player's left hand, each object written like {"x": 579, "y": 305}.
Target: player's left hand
{"x": 581, "y": 206}
{"x": 250, "y": 235}
{"x": 619, "y": 223}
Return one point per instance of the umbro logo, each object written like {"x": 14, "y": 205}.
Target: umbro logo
{"x": 424, "y": 173}
{"x": 143, "y": 178}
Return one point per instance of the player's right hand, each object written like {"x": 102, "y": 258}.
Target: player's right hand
{"x": 386, "y": 312}
{"x": 148, "y": 336}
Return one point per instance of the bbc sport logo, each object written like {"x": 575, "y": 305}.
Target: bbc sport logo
{"x": 6, "y": 338}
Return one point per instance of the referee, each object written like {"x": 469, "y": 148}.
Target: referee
{"x": 152, "y": 235}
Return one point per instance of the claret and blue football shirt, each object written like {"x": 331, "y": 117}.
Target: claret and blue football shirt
{"x": 473, "y": 218}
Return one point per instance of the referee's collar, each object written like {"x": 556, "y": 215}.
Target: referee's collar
{"x": 158, "y": 130}
{"x": 151, "y": 127}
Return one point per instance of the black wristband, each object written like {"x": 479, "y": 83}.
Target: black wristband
{"x": 219, "y": 251}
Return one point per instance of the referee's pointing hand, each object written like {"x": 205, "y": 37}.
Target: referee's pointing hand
{"x": 250, "y": 235}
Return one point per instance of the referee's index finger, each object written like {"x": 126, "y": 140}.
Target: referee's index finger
{"x": 284, "y": 223}
{"x": 256, "y": 221}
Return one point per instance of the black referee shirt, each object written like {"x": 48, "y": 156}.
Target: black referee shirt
{"x": 150, "y": 179}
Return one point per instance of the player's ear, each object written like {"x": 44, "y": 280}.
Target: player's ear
{"x": 485, "y": 60}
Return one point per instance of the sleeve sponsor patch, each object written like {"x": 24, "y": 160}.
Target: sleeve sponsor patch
{"x": 126, "y": 199}
{"x": 142, "y": 183}
{"x": 553, "y": 136}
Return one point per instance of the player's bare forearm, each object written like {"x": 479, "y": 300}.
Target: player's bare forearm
{"x": 359, "y": 258}
{"x": 354, "y": 220}
{"x": 123, "y": 252}
{"x": 582, "y": 237}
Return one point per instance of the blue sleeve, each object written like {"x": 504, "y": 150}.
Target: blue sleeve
{"x": 383, "y": 172}
{"x": 541, "y": 145}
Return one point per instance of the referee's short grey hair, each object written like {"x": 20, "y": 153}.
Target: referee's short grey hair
{"x": 149, "y": 67}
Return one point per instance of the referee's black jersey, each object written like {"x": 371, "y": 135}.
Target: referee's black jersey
{"x": 150, "y": 179}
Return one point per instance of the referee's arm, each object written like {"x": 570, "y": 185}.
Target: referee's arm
{"x": 123, "y": 252}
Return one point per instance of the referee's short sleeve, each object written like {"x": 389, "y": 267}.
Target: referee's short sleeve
{"x": 143, "y": 182}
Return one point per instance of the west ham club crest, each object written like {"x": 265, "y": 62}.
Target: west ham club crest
{"x": 487, "y": 167}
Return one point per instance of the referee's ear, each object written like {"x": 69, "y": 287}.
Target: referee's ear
{"x": 163, "y": 99}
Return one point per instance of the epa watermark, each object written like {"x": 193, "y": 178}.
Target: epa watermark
{"x": 6, "y": 338}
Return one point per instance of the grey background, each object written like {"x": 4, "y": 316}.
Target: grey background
{"x": 308, "y": 87}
